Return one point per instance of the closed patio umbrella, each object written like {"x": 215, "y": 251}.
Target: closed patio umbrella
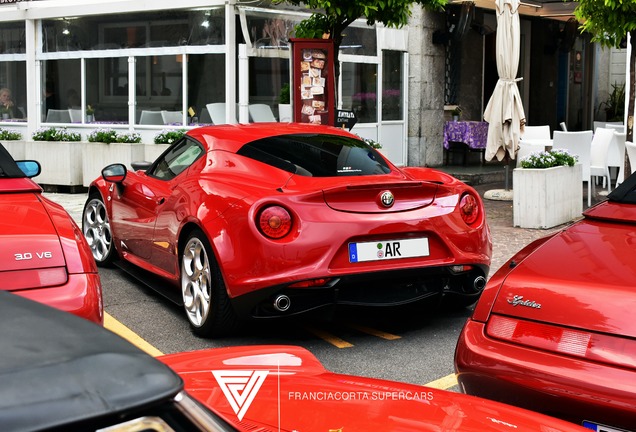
{"x": 504, "y": 112}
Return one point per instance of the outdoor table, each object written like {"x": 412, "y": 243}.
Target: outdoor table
{"x": 463, "y": 136}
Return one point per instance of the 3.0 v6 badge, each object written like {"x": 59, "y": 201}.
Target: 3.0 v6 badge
{"x": 29, "y": 256}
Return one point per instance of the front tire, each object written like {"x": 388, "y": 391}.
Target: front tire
{"x": 205, "y": 298}
{"x": 96, "y": 229}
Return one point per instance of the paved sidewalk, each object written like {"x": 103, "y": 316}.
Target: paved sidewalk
{"x": 507, "y": 240}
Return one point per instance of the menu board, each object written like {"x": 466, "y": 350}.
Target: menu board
{"x": 312, "y": 86}
{"x": 313, "y": 77}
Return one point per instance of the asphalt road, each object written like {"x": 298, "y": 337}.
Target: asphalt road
{"x": 414, "y": 345}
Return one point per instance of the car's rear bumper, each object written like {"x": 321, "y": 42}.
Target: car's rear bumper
{"x": 376, "y": 289}
{"x": 81, "y": 296}
{"x": 565, "y": 387}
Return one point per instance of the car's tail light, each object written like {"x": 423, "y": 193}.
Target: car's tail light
{"x": 274, "y": 222}
{"x": 578, "y": 343}
{"x": 469, "y": 208}
{"x": 33, "y": 278}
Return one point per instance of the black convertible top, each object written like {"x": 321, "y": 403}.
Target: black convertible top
{"x": 56, "y": 368}
{"x": 625, "y": 192}
{"x": 8, "y": 167}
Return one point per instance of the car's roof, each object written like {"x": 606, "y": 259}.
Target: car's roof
{"x": 56, "y": 368}
{"x": 231, "y": 137}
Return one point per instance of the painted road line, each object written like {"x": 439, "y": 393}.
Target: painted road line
{"x": 328, "y": 337}
{"x": 374, "y": 332}
{"x": 443, "y": 383}
{"x": 118, "y": 328}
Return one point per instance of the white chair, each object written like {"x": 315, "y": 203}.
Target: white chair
{"x": 151, "y": 118}
{"x": 76, "y": 115}
{"x": 58, "y": 116}
{"x": 618, "y": 127}
{"x": 580, "y": 144}
{"x": 261, "y": 113}
{"x": 217, "y": 112}
{"x": 170, "y": 117}
{"x": 603, "y": 137}
{"x": 564, "y": 127}
{"x": 536, "y": 132}
{"x": 631, "y": 154}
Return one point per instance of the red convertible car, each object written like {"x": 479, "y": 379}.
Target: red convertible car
{"x": 62, "y": 373}
{"x": 554, "y": 330}
{"x": 272, "y": 220}
{"x": 43, "y": 255}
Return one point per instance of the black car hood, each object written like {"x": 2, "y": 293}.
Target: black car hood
{"x": 56, "y": 368}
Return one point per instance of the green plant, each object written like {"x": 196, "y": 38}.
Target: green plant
{"x": 314, "y": 27}
{"x": 9, "y": 135}
{"x": 102, "y": 135}
{"x": 284, "y": 96}
{"x": 169, "y": 136}
{"x": 54, "y": 134}
{"x": 371, "y": 143}
{"x": 457, "y": 111}
{"x": 90, "y": 110}
{"x": 129, "y": 137}
{"x": 615, "y": 104}
{"x": 549, "y": 159}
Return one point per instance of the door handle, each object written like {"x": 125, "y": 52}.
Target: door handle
{"x": 161, "y": 200}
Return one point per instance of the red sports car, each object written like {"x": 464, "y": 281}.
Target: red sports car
{"x": 554, "y": 330}
{"x": 61, "y": 373}
{"x": 43, "y": 255}
{"x": 271, "y": 220}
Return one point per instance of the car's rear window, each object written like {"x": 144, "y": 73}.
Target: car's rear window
{"x": 317, "y": 155}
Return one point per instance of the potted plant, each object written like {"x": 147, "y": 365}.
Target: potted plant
{"x": 12, "y": 141}
{"x": 90, "y": 114}
{"x": 614, "y": 106}
{"x": 284, "y": 104}
{"x": 456, "y": 113}
{"x": 106, "y": 146}
{"x": 547, "y": 190}
{"x": 59, "y": 151}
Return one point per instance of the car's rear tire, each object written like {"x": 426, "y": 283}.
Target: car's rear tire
{"x": 96, "y": 229}
{"x": 205, "y": 298}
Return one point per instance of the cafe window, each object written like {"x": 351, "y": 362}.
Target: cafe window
{"x": 267, "y": 77}
{"x": 392, "y": 85}
{"x": 61, "y": 101}
{"x": 12, "y": 38}
{"x": 167, "y": 28}
{"x": 359, "y": 90}
{"x": 13, "y": 78}
{"x": 359, "y": 40}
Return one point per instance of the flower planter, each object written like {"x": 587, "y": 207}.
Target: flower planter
{"x": 547, "y": 197}
{"x": 15, "y": 148}
{"x": 153, "y": 151}
{"x": 98, "y": 155}
{"x": 61, "y": 161}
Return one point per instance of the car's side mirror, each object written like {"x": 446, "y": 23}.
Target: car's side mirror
{"x": 30, "y": 168}
{"x": 141, "y": 165}
{"x": 115, "y": 173}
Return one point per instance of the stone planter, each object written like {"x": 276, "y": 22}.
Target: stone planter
{"x": 98, "y": 155}
{"x": 61, "y": 161}
{"x": 15, "y": 148}
{"x": 153, "y": 151}
{"x": 547, "y": 197}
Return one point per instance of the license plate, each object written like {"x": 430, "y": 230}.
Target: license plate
{"x": 600, "y": 428}
{"x": 386, "y": 250}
